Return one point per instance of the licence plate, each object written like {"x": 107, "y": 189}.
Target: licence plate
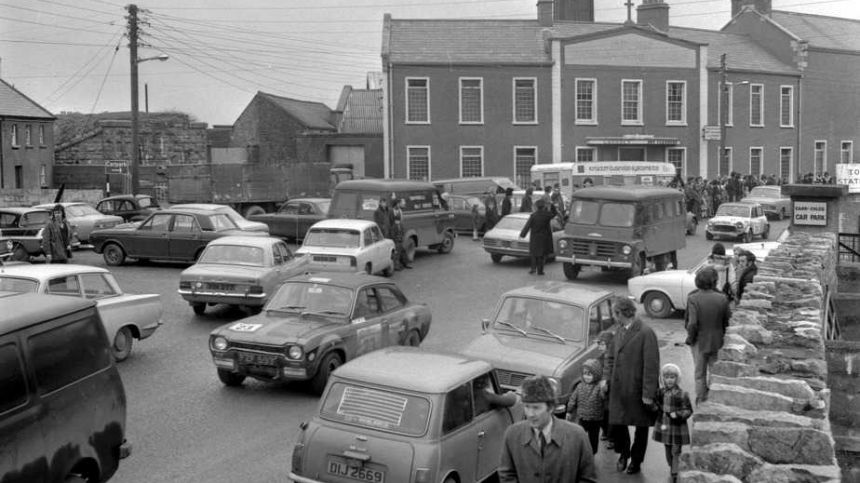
{"x": 258, "y": 359}
{"x": 220, "y": 286}
{"x": 346, "y": 469}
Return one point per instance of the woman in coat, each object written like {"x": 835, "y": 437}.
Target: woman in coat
{"x": 540, "y": 241}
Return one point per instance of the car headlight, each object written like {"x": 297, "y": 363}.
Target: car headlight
{"x": 198, "y": 285}
{"x": 626, "y": 249}
{"x": 562, "y": 244}
{"x": 739, "y": 225}
{"x": 295, "y": 352}
{"x": 219, "y": 343}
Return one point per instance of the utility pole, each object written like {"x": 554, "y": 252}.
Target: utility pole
{"x": 132, "y": 49}
{"x": 724, "y": 113}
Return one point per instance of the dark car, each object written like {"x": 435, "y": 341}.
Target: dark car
{"x": 172, "y": 234}
{"x": 462, "y": 206}
{"x": 292, "y": 221}
{"x": 129, "y": 207}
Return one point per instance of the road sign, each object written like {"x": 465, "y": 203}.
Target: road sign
{"x": 711, "y": 133}
{"x": 116, "y": 167}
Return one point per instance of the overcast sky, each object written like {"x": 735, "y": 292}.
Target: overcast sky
{"x": 63, "y": 54}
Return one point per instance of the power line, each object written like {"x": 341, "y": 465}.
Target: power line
{"x": 95, "y": 56}
{"x": 99, "y": 94}
{"x": 76, "y": 29}
{"x": 43, "y": 12}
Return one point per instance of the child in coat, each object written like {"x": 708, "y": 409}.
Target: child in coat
{"x": 674, "y": 410}
{"x": 586, "y": 404}
{"x": 604, "y": 339}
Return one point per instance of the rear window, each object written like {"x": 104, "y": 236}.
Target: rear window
{"x": 233, "y": 255}
{"x": 36, "y": 218}
{"x": 69, "y": 353}
{"x": 511, "y": 223}
{"x": 332, "y": 237}
{"x": 377, "y": 409}
{"x": 14, "y": 284}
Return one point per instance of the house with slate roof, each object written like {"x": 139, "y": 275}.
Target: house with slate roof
{"x": 493, "y": 97}
{"x": 26, "y": 141}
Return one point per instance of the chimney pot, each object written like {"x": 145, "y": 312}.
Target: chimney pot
{"x": 545, "y": 12}
{"x": 654, "y": 13}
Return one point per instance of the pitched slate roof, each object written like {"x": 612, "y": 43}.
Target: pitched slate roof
{"x": 313, "y": 115}
{"x": 362, "y": 112}
{"x": 15, "y": 104}
{"x": 742, "y": 52}
{"x": 820, "y": 31}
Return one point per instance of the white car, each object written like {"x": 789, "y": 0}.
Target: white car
{"x": 504, "y": 238}
{"x": 735, "y": 220}
{"x": 661, "y": 293}
{"x": 243, "y": 223}
{"x": 125, "y": 316}
{"x": 352, "y": 245}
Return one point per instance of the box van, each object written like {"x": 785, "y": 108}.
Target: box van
{"x": 62, "y": 404}
{"x": 624, "y": 227}
{"x": 570, "y": 176}
{"x": 426, "y": 218}
{"x": 474, "y": 186}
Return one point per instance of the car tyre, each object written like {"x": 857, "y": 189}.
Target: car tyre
{"x": 657, "y": 305}
{"x": 571, "y": 270}
{"x": 19, "y": 254}
{"x": 199, "y": 308}
{"x": 329, "y": 363}
{"x": 389, "y": 270}
{"x": 748, "y": 236}
{"x": 231, "y": 379}
{"x": 496, "y": 257}
{"x": 447, "y": 244}
{"x": 766, "y": 232}
{"x": 113, "y": 255}
{"x": 708, "y": 235}
{"x": 413, "y": 339}
{"x": 254, "y": 210}
{"x": 123, "y": 342}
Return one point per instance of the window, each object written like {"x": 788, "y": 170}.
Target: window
{"x": 586, "y": 95}
{"x": 524, "y": 159}
{"x": 755, "y": 161}
{"x": 41, "y": 135}
{"x": 158, "y": 222}
{"x": 471, "y": 101}
{"x": 677, "y": 156}
{"x": 418, "y": 100}
{"x": 68, "y": 353}
{"x": 12, "y": 379}
{"x": 389, "y": 298}
{"x": 19, "y": 177}
{"x": 725, "y": 166}
{"x": 458, "y": 408}
{"x": 290, "y": 209}
{"x": 183, "y": 223}
{"x": 786, "y": 106}
{"x": 525, "y": 101}
{"x": 846, "y": 152}
{"x": 368, "y": 237}
{"x": 28, "y": 135}
{"x": 820, "y": 158}
{"x": 14, "y": 135}
{"x": 65, "y": 286}
{"x": 676, "y": 102}
{"x": 96, "y": 285}
{"x": 366, "y": 304}
{"x": 786, "y": 158}
{"x": 471, "y": 161}
{"x": 585, "y": 155}
{"x": 418, "y": 163}
{"x": 43, "y": 176}
{"x": 484, "y": 391}
{"x": 631, "y": 102}
{"x": 757, "y": 105}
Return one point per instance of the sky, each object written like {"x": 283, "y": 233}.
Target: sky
{"x": 72, "y": 55}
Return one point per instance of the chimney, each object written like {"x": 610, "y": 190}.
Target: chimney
{"x": 762, "y": 6}
{"x": 545, "y": 8}
{"x": 653, "y": 12}
{"x": 576, "y": 10}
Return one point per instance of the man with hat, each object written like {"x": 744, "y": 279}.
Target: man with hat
{"x": 544, "y": 448}
{"x": 56, "y": 237}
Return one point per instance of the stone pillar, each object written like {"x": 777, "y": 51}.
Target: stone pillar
{"x": 815, "y": 208}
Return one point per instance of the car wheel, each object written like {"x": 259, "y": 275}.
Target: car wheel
{"x": 198, "y": 308}
{"x": 708, "y": 235}
{"x": 496, "y": 257}
{"x": 766, "y": 232}
{"x": 389, "y": 270}
{"x": 329, "y": 363}
{"x": 122, "y": 344}
{"x": 231, "y": 379}
{"x": 19, "y": 254}
{"x": 447, "y": 243}
{"x": 409, "y": 248}
{"x": 657, "y": 305}
{"x": 748, "y": 236}
{"x": 571, "y": 270}
{"x": 413, "y": 339}
{"x": 254, "y": 309}
{"x": 113, "y": 254}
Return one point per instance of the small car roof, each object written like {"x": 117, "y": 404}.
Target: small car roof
{"x": 20, "y": 210}
{"x": 384, "y": 185}
{"x": 309, "y": 200}
{"x": 625, "y": 193}
{"x": 254, "y": 241}
{"x": 348, "y": 223}
{"x": 413, "y": 369}
{"x": 561, "y": 292}
{"x": 195, "y": 210}
{"x": 45, "y": 271}
{"x": 344, "y": 279}
{"x": 744, "y": 204}
{"x": 26, "y": 309}
{"x": 125, "y": 197}
{"x": 65, "y": 204}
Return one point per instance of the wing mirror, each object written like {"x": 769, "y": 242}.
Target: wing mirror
{"x": 485, "y": 324}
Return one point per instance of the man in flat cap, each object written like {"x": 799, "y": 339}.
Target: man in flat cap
{"x": 543, "y": 448}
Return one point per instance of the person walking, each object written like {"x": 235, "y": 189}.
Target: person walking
{"x": 56, "y": 237}
{"x": 540, "y": 241}
{"x": 526, "y": 205}
{"x": 723, "y": 267}
{"x": 491, "y": 210}
{"x": 382, "y": 217}
{"x": 401, "y": 258}
{"x": 507, "y": 202}
{"x": 544, "y": 449}
{"x": 586, "y": 402}
{"x": 708, "y": 315}
{"x": 632, "y": 371}
{"x": 674, "y": 408}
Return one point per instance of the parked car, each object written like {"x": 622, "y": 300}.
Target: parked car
{"x": 504, "y": 238}
{"x": 235, "y": 217}
{"x": 62, "y": 410}
{"x": 238, "y": 270}
{"x": 171, "y": 234}
{"x": 738, "y": 220}
{"x": 23, "y": 227}
{"x": 129, "y": 207}
{"x": 412, "y": 423}
{"x": 348, "y": 245}
{"x": 293, "y": 219}
{"x": 313, "y": 324}
{"x": 547, "y": 329}
{"x": 126, "y": 316}
{"x": 462, "y": 206}
{"x": 6, "y": 246}
{"x": 85, "y": 218}
{"x": 772, "y": 201}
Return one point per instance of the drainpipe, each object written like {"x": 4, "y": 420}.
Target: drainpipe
{"x": 798, "y": 126}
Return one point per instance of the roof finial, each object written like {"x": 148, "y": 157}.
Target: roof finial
{"x": 629, "y": 5}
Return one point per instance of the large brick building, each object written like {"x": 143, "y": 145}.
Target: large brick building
{"x": 26, "y": 142}
{"x": 493, "y": 97}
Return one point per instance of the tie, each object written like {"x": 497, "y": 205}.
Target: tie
{"x": 542, "y": 439}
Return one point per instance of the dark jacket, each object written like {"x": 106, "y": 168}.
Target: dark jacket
{"x": 632, "y": 369}
{"x": 540, "y": 226}
{"x": 708, "y": 316}
{"x": 384, "y": 218}
{"x": 526, "y": 204}
{"x": 567, "y": 457}
{"x": 506, "y": 206}
{"x": 746, "y": 277}
{"x": 56, "y": 240}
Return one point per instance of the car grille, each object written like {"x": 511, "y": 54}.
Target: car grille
{"x": 256, "y": 347}
{"x": 516, "y": 245}
{"x": 594, "y": 248}
{"x": 510, "y": 378}
{"x": 724, "y": 228}
{"x": 368, "y": 403}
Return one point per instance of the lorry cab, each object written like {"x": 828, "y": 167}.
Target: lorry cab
{"x": 623, "y": 227}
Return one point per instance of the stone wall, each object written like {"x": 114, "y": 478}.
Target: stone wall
{"x": 766, "y": 418}
{"x": 12, "y": 197}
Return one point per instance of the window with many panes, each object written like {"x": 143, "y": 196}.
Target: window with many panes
{"x": 471, "y": 100}
{"x": 677, "y": 156}
{"x": 676, "y": 102}
{"x": 755, "y": 161}
{"x": 786, "y": 157}
{"x": 471, "y": 161}
{"x": 846, "y": 152}
{"x": 525, "y": 100}
{"x": 524, "y": 158}
{"x": 418, "y": 163}
{"x": 586, "y": 100}
{"x": 631, "y": 102}
{"x": 725, "y": 163}
{"x": 820, "y": 157}
{"x": 786, "y": 106}
{"x": 417, "y": 100}
{"x": 13, "y": 379}
{"x": 757, "y": 105}
{"x": 585, "y": 155}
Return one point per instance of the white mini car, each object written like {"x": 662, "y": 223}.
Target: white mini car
{"x": 733, "y": 220}
{"x": 350, "y": 245}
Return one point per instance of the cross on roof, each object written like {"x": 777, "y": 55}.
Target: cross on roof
{"x": 629, "y": 5}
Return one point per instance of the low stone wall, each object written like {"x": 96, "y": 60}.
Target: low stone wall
{"x": 766, "y": 418}
{"x": 19, "y": 197}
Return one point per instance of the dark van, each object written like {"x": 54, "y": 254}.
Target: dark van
{"x": 624, "y": 227}
{"x": 426, "y": 218}
{"x": 62, "y": 403}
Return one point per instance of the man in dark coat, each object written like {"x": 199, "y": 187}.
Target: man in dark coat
{"x": 540, "y": 241}
{"x": 56, "y": 237}
{"x": 632, "y": 367}
{"x": 747, "y": 270}
{"x": 543, "y": 448}
{"x": 506, "y": 203}
{"x": 526, "y": 205}
{"x": 708, "y": 316}
{"x": 491, "y": 209}
{"x": 383, "y": 217}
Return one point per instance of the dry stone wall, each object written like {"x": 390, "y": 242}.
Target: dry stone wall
{"x": 766, "y": 418}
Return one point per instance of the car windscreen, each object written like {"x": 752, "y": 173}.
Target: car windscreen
{"x": 511, "y": 223}
{"x": 15, "y": 284}
{"x": 617, "y": 214}
{"x": 332, "y": 237}
{"x": 374, "y": 408}
{"x": 585, "y": 212}
{"x": 324, "y": 206}
{"x": 81, "y": 210}
{"x": 221, "y": 222}
{"x": 233, "y": 255}
{"x": 733, "y": 210}
{"x": 765, "y": 192}
{"x": 541, "y": 317}
{"x": 312, "y": 297}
